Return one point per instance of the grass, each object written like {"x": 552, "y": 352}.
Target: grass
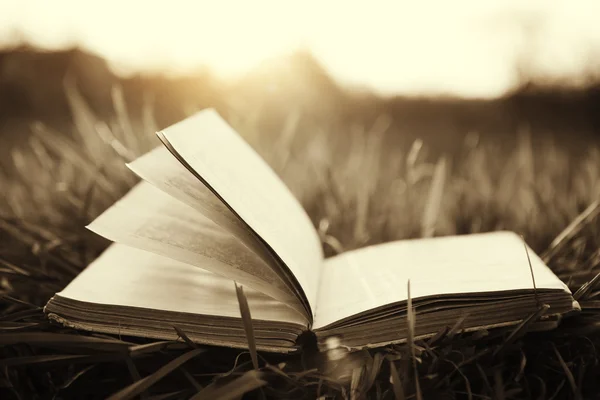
{"x": 359, "y": 189}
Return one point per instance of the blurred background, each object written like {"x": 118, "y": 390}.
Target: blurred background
{"x": 386, "y": 119}
{"x": 438, "y": 70}
{"x": 426, "y": 80}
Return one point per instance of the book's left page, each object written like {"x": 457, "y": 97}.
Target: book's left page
{"x": 151, "y": 220}
{"x": 125, "y": 276}
{"x": 134, "y": 292}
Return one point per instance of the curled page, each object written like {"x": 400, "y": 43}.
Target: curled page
{"x": 218, "y": 156}
{"x": 149, "y": 219}
{"x": 161, "y": 169}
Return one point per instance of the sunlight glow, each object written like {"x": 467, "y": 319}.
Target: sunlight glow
{"x": 467, "y": 48}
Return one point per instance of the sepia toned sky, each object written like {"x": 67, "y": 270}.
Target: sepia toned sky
{"x": 459, "y": 47}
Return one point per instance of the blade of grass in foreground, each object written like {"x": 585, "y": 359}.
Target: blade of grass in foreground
{"x": 52, "y": 339}
{"x": 571, "y": 230}
{"x": 568, "y": 373}
{"x": 521, "y": 329}
{"x": 138, "y": 387}
{"x": 18, "y": 302}
{"x": 410, "y": 316}
{"x": 247, "y": 320}
{"x": 185, "y": 337}
{"x": 396, "y": 384}
{"x": 251, "y": 380}
{"x": 586, "y": 288}
{"x": 59, "y": 359}
{"x": 155, "y": 347}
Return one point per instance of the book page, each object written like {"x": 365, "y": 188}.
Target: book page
{"x": 124, "y": 276}
{"x": 160, "y": 168}
{"x": 371, "y": 277}
{"x": 207, "y": 145}
{"x": 149, "y": 219}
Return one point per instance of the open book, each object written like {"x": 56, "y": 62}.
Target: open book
{"x": 209, "y": 212}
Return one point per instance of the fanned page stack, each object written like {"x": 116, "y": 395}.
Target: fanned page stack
{"x": 209, "y": 212}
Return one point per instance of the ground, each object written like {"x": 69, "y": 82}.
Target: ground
{"x": 359, "y": 189}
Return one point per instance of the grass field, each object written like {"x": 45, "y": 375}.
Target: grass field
{"x": 358, "y": 190}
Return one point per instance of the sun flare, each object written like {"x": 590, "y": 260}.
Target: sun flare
{"x": 472, "y": 49}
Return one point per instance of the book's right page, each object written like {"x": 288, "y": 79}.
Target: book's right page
{"x": 364, "y": 279}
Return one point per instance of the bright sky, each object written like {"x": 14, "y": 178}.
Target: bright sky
{"x": 467, "y": 48}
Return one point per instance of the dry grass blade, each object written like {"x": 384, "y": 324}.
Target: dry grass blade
{"x": 123, "y": 117}
{"x": 60, "y": 359}
{"x": 69, "y": 151}
{"x": 466, "y": 380}
{"x": 355, "y": 382}
{"x": 18, "y": 302}
{"x": 29, "y": 360}
{"x": 374, "y": 370}
{"x": 413, "y": 154}
{"x": 138, "y": 350}
{"x": 434, "y": 200}
{"x": 522, "y": 366}
{"x": 89, "y": 193}
{"x": 140, "y": 386}
{"x": 133, "y": 371}
{"x": 411, "y": 319}
{"x": 111, "y": 141}
{"x": 586, "y": 288}
{"x": 458, "y": 369}
{"x": 54, "y": 339}
{"x": 331, "y": 241}
{"x": 396, "y": 383}
{"x": 14, "y": 326}
{"x": 247, "y": 321}
{"x": 185, "y": 337}
{"x": 521, "y": 329}
{"x": 190, "y": 378}
{"x": 535, "y": 292}
{"x": 568, "y": 373}
{"x": 277, "y": 370}
{"x": 176, "y": 395}
{"x": 288, "y": 133}
{"x": 20, "y": 234}
{"x": 14, "y": 268}
{"x": 248, "y": 382}
{"x": 571, "y": 230}
{"x": 441, "y": 334}
{"x": 457, "y": 327}
{"x": 76, "y": 376}
{"x": 17, "y": 316}
{"x": 500, "y": 392}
